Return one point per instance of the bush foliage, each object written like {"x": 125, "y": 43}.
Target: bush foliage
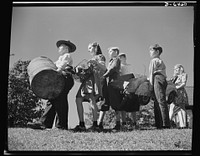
{"x": 144, "y": 117}
{"x": 22, "y": 102}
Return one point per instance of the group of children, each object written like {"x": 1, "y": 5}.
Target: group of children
{"x": 99, "y": 86}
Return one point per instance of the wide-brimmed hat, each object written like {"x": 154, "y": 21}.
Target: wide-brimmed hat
{"x": 71, "y": 46}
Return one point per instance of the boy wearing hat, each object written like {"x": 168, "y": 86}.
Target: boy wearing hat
{"x": 59, "y": 106}
{"x": 65, "y": 60}
{"x": 157, "y": 78}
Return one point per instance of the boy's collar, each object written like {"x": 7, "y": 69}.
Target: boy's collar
{"x": 113, "y": 57}
{"x": 158, "y": 56}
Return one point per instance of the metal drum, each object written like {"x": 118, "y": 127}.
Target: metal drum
{"x": 45, "y": 81}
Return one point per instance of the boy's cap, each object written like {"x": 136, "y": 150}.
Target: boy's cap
{"x": 122, "y": 54}
{"x": 71, "y": 46}
{"x": 157, "y": 47}
{"x": 115, "y": 49}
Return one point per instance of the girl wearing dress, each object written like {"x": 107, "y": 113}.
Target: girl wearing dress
{"x": 177, "y": 112}
{"x": 91, "y": 89}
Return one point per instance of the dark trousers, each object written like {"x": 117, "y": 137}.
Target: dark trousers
{"x": 160, "y": 105}
{"x": 115, "y": 97}
{"x": 58, "y": 106}
{"x": 105, "y": 92}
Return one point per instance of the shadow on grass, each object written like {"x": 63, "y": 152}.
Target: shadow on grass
{"x": 111, "y": 130}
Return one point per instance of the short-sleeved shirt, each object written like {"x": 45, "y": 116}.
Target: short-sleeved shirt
{"x": 156, "y": 66}
{"x": 64, "y": 60}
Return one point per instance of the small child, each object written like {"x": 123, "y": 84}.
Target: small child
{"x": 157, "y": 78}
{"x": 128, "y": 69}
{"x": 177, "y": 108}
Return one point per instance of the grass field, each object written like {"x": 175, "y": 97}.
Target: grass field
{"x": 25, "y": 139}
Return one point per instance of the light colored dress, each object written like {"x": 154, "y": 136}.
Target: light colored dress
{"x": 177, "y": 111}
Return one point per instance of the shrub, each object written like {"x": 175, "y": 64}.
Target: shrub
{"x": 145, "y": 117}
{"x": 23, "y": 105}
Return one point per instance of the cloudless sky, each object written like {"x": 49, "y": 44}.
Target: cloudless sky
{"x": 35, "y": 31}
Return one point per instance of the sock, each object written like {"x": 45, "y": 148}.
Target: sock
{"x": 82, "y": 123}
{"x": 95, "y": 123}
{"x": 101, "y": 124}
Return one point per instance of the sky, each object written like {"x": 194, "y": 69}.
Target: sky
{"x": 35, "y": 31}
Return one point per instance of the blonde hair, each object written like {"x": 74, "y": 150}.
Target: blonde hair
{"x": 95, "y": 44}
{"x": 180, "y": 66}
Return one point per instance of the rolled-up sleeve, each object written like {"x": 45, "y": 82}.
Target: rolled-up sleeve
{"x": 66, "y": 60}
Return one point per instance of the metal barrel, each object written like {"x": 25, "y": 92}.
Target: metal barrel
{"x": 45, "y": 81}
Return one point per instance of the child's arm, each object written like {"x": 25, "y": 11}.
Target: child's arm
{"x": 100, "y": 62}
{"x": 152, "y": 66}
{"x": 184, "y": 80}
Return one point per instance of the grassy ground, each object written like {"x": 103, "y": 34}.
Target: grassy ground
{"x": 25, "y": 139}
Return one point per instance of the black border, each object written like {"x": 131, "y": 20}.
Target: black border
{"x": 104, "y": 4}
